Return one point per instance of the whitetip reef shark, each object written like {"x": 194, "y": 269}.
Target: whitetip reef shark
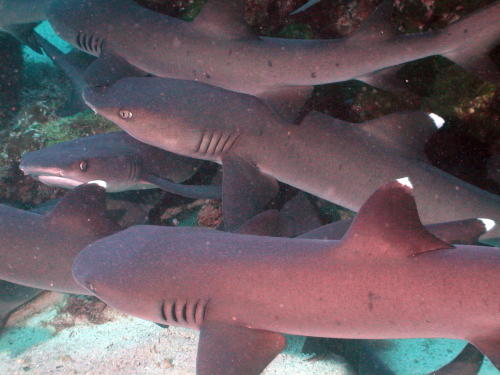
{"x": 20, "y": 17}
{"x": 387, "y": 278}
{"x": 218, "y": 48}
{"x": 337, "y": 161}
{"x": 38, "y": 250}
{"x": 119, "y": 160}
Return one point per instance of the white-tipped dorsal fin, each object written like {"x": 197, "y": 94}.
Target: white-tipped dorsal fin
{"x": 488, "y": 224}
{"x": 101, "y": 183}
{"x": 388, "y": 225}
{"x": 405, "y": 132}
{"x": 438, "y": 120}
{"x": 81, "y": 211}
{"x": 405, "y": 181}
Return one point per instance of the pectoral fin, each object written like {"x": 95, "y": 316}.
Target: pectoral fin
{"x": 245, "y": 191}
{"x": 188, "y": 191}
{"x": 229, "y": 350}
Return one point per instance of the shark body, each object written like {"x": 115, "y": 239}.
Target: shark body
{"x": 20, "y": 17}
{"x": 387, "y": 278}
{"x": 120, "y": 160}
{"x": 337, "y": 161}
{"x": 38, "y": 250}
{"x": 219, "y": 49}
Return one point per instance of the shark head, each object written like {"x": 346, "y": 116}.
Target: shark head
{"x": 185, "y": 117}
{"x": 73, "y": 163}
{"x": 129, "y": 274}
{"x": 80, "y": 24}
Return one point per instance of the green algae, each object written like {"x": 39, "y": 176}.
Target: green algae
{"x": 295, "y": 31}
{"x": 191, "y": 11}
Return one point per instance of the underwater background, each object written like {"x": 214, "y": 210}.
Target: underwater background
{"x": 66, "y": 334}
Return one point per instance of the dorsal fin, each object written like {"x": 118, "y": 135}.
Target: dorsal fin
{"x": 224, "y": 20}
{"x": 388, "y": 225}
{"x": 405, "y": 132}
{"x": 83, "y": 210}
{"x": 377, "y": 26}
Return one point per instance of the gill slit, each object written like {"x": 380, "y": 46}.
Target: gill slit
{"x": 184, "y": 313}
{"x": 215, "y": 142}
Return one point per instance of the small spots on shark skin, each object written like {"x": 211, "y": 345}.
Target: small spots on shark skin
{"x": 372, "y": 297}
{"x": 313, "y": 74}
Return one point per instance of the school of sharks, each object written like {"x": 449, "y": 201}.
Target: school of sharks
{"x": 413, "y": 263}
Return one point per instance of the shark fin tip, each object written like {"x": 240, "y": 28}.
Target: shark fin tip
{"x": 488, "y": 223}
{"x": 101, "y": 183}
{"x": 438, "y": 120}
{"x": 405, "y": 181}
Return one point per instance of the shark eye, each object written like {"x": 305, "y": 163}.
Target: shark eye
{"x": 124, "y": 114}
{"x": 84, "y": 165}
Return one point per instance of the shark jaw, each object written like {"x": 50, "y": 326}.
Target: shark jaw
{"x": 58, "y": 181}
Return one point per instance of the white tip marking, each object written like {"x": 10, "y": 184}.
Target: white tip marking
{"x": 101, "y": 183}
{"x": 488, "y": 223}
{"x": 405, "y": 181}
{"x": 438, "y": 120}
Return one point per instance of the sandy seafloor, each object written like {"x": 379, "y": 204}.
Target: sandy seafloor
{"x": 41, "y": 340}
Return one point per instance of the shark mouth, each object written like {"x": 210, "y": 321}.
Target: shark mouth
{"x": 58, "y": 181}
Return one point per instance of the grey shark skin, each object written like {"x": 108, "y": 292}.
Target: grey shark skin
{"x": 387, "y": 278}
{"x": 337, "y": 161}
{"x": 38, "y": 250}
{"x": 218, "y": 48}
{"x": 12, "y": 296}
{"x": 20, "y": 17}
{"x": 119, "y": 160}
